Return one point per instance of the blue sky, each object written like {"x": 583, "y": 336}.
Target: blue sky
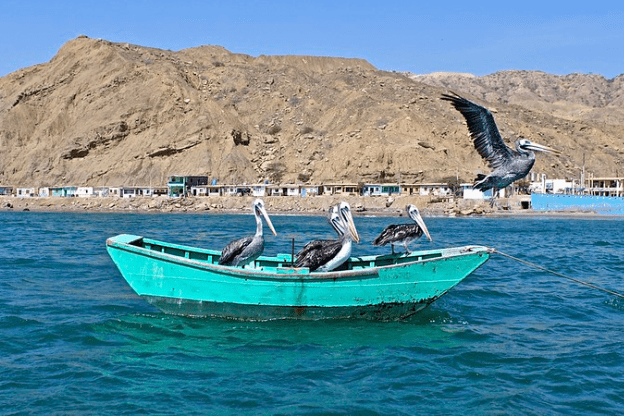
{"x": 421, "y": 37}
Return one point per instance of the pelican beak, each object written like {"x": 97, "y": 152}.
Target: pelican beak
{"x": 351, "y": 226}
{"x": 541, "y": 148}
{"x": 421, "y": 223}
{"x": 268, "y": 220}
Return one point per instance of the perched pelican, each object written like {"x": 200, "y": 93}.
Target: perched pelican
{"x": 335, "y": 221}
{"x": 326, "y": 255}
{"x": 508, "y": 165}
{"x": 247, "y": 249}
{"x": 403, "y": 234}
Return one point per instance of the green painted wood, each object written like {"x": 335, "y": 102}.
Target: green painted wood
{"x": 162, "y": 271}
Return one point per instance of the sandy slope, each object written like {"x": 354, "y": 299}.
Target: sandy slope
{"x": 102, "y": 113}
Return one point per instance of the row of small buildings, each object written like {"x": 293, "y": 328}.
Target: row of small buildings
{"x": 199, "y": 186}
{"x": 594, "y": 186}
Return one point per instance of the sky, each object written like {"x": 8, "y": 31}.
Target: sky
{"x": 417, "y": 36}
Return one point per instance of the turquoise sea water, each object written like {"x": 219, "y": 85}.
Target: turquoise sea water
{"x": 510, "y": 339}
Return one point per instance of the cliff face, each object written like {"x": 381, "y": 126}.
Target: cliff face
{"x": 101, "y": 113}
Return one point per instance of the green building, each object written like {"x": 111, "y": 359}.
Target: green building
{"x": 179, "y": 186}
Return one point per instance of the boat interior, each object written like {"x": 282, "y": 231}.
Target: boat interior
{"x": 282, "y": 261}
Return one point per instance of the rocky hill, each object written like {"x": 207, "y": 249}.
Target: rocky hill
{"x": 102, "y": 113}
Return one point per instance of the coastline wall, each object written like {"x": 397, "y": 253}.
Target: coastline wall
{"x": 604, "y": 205}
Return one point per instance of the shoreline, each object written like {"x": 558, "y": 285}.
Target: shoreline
{"x": 280, "y": 205}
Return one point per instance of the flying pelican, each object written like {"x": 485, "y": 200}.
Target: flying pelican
{"x": 508, "y": 165}
{"x": 326, "y": 255}
{"x": 403, "y": 234}
{"x": 247, "y": 249}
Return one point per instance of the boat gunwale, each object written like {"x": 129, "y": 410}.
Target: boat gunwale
{"x": 298, "y": 274}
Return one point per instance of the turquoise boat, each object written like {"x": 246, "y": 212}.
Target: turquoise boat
{"x": 189, "y": 281}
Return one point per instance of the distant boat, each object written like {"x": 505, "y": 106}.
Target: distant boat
{"x": 189, "y": 281}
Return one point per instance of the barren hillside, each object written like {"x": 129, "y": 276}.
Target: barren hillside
{"x": 102, "y": 113}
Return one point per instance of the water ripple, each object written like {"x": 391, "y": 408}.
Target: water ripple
{"x": 509, "y": 340}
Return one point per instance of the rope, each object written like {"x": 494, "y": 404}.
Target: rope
{"x": 537, "y": 266}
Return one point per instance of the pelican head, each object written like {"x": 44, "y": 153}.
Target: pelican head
{"x": 526, "y": 145}
{"x": 344, "y": 211}
{"x": 259, "y": 210}
{"x": 414, "y": 214}
{"x": 335, "y": 221}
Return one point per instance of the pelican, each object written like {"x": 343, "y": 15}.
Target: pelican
{"x": 327, "y": 255}
{"x": 403, "y": 234}
{"x": 314, "y": 245}
{"x": 247, "y": 249}
{"x": 508, "y": 165}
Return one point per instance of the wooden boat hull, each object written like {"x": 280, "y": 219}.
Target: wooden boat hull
{"x": 188, "y": 281}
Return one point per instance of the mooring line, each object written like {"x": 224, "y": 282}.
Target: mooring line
{"x": 537, "y": 266}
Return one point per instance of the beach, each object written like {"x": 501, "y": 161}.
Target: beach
{"x": 280, "y": 205}
{"x": 395, "y": 205}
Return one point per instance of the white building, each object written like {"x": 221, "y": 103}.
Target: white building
{"x": 606, "y": 186}
{"x": 84, "y": 191}
{"x": 200, "y": 190}
{"x": 551, "y": 186}
{"x": 128, "y": 192}
{"x": 371, "y": 189}
{"x": 274, "y": 190}
{"x": 557, "y": 186}
{"x": 437, "y": 189}
{"x": 25, "y": 192}
{"x": 470, "y": 193}
{"x": 101, "y": 191}
{"x": 291, "y": 190}
{"x": 258, "y": 190}
{"x": 206, "y": 190}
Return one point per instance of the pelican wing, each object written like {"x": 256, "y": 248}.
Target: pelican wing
{"x": 233, "y": 249}
{"x": 318, "y": 252}
{"x": 396, "y": 233}
{"x": 311, "y": 246}
{"x": 487, "y": 140}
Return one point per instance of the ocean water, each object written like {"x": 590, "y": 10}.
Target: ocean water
{"x": 510, "y": 339}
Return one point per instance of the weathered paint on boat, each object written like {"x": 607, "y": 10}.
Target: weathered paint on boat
{"x": 187, "y": 280}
